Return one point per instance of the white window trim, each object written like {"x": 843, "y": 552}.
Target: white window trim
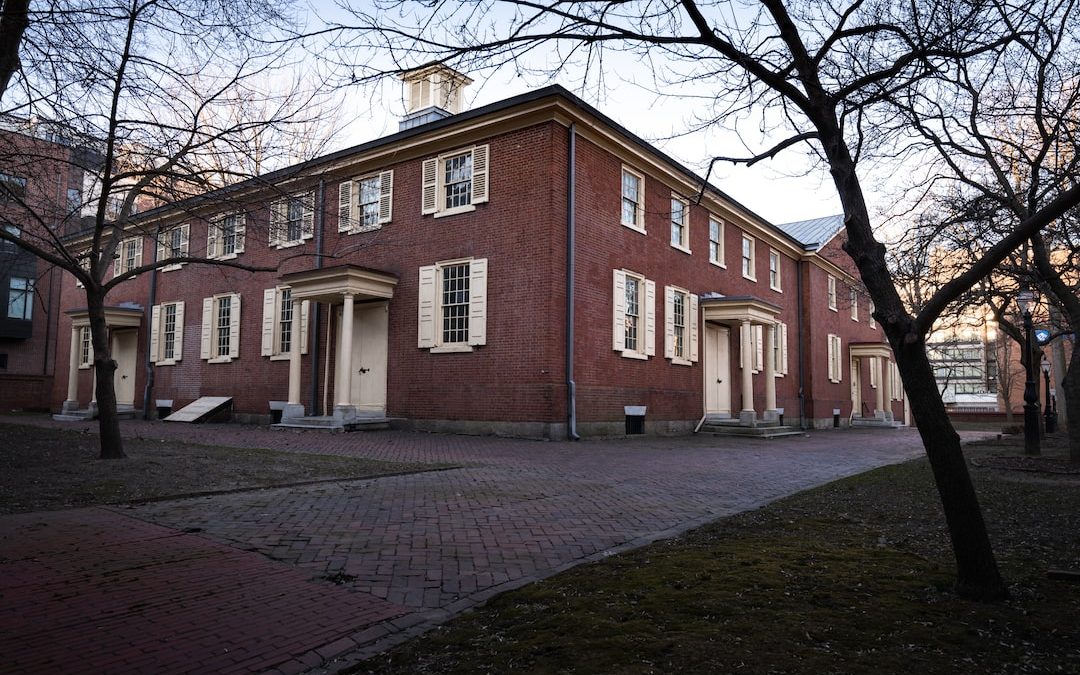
{"x": 214, "y": 236}
{"x": 120, "y": 261}
{"x": 185, "y": 246}
{"x": 271, "y": 324}
{"x": 830, "y": 293}
{"x": 873, "y": 372}
{"x": 279, "y": 220}
{"x": 752, "y": 276}
{"x": 854, "y": 295}
{"x": 719, "y": 262}
{"x": 429, "y": 307}
{"x": 647, "y": 302}
{"x": 683, "y": 245}
{"x": 209, "y": 329}
{"x": 157, "y": 334}
{"x": 836, "y": 369}
{"x": 870, "y": 314}
{"x": 433, "y": 176}
{"x": 639, "y": 224}
{"x": 84, "y": 335}
{"x": 690, "y": 316}
{"x": 781, "y": 360}
{"x": 779, "y": 285}
{"x": 349, "y": 203}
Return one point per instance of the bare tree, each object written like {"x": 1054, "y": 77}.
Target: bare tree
{"x": 146, "y": 96}
{"x": 827, "y": 76}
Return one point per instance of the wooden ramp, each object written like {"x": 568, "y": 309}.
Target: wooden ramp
{"x": 201, "y": 409}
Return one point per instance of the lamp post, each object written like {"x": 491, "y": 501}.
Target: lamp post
{"x": 1051, "y": 413}
{"x": 1031, "y": 394}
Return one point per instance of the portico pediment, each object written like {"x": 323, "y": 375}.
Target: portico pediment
{"x": 733, "y": 310}
{"x": 870, "y": 349}
{"x": 115, "y": 317}
{"x": 331, "y": 284}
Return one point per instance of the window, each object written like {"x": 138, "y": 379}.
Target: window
{"x": 129, "y": 256}
{"x": 873, "y": 372}
{"x": 835, "y": 351}
{"x": 14, "y": 231}
{"x": 832, "y": 292}
{"x": 453, "y": 305}
{"x": 757, "y": 348}
{"x": 716, "y": 241}
{"x": 870, "y": 314}
{"x": 680, "y": 224}
{"x": 895, "y": 385}
{"x": 455, "y": 182}
{"x": 86, "y": 348}
{"x": 12, "y": 188}
{"x": 292, "y": 220}
{"x": 680, "y": 326}
{"x": 779, "y": 347}
{"x": 634, "y": 315}
{"x": 225, "y": 236}
{"x": 748, "y": 270}
{"x": 221, "y": 328}
{"x": 167, "y": 333}
{"x": 854, "y": 294}
{"x": 633, "y": 199}
{"x": 774, "y": 270}
{"x": 74, "y": 200}
{"x": 366, "y": 203}
{"x": 283, "y": 322}
{"x": 173, "y": 243}
{"x": 20, "y": 298}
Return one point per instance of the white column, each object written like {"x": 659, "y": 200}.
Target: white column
{"x": 72, "y": 402}
{"x": 294, "y": 358}
{"x": 770, "y": 370}
{"x": 855, "y": 366}
{"x": 746, "y": 351}
{"x": 344, "y": 374}
{"x": 880, "y": 402}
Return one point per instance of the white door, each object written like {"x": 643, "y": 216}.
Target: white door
{"x": 855, "y": 366}
{"x": 369, "y": 357}
{"x": 124, "y": 352}
{"x": 717, "y": 371}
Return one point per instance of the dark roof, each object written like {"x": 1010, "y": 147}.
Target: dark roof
{"x": 813, "y": 233}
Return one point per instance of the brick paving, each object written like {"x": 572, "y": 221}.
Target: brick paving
{"x": 320, "y": 576}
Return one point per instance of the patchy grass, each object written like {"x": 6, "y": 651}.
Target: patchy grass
{"x": 43, "y": 469}
{"x": 854, "y": 577}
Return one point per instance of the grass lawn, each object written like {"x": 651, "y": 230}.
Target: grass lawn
{"x": 854, "y": 577}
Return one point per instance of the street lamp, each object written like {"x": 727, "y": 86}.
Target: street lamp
{"x": 1031, "y": 394}
{"x": 1051, "y": 413}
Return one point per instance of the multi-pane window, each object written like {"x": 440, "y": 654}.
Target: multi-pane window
{"x": 453, "y": 305}
{"x": 716, "y": 241}
{"x": 168, "y": 332}
{"x": 748, "y": 270}
{"x": 285, "y": 321}
{"x": 365, "y": 203}
{"x": 832, "y": 292}
{"x": 678, "y": 320}
{"x": 220, "y": 328}
{"x": 86, "y": 350}
{"x": 128, "y": 256}
{"x": 633, "y": 199}
{"x": 680, "y": 230}
{"x": 835, "y": 352}
{"x": 227, "y": 227}
{"x": 854, "y": 305}
{"x": 223, "y": 324}
{"x": 455, "y": 182}
{"x": 774, "y": 270}
{"x": 225, "y": 236}
{"x": 634, "y": 325}
{"x": 20, "y": 298}
{"x": 779, "y": 347}
{"x": 173, "y": 243}
{"x": 292, "y": 220}
{"x": 369, "y": 201}
{"x": 680, "y": 325}
{"x": 633, "y": 313}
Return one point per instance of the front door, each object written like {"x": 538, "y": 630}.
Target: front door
{"x": 370, "y": 324}
{"x": 125, "y": 352}
{"x": 717, "y": 371}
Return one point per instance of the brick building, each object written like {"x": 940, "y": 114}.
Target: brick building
{"x": 529, "y": 267}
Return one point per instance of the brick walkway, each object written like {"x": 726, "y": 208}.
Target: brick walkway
{"x": 321, "y": 576}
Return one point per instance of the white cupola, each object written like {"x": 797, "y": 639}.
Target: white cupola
{"x": 431, "y": 93}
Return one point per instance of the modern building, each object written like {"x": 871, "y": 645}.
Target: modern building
{"x": 528, "y": 267}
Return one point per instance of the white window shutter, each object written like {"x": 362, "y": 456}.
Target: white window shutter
{"x": 650, "y": 318}
{"x": 270, "y": 300}
{"x": 305, "y": 308}
{"x": 117, "y": 257}
{"x": 138, "y": 252}
{"x": 185, "y": 239}
{"x": 241, "y": 228}
{"x": 161, "y": 246}
{"x": 618, "y": 319}
{"x": 478, "y": 302}
{"x": 386, "y": 196}
{"x": 234, "y": 327}
{"x": 207, "y": 326}
{"x": 277, "y": 220}
{"x": 480, "y": 174}
{"x": 307, "y": 223}
{"x": 345, "y": 206}
{"x": 783, "y": 349}
{"x": 429, "y": 202}
{"x": 178, "y": 339}
{"x": 873, "y": 371}
{"x": 426, "y": 316}
{"x": 669, "y": 322}
{"x": 155, "y": 327}
{"x": 211, "y": 240}
{"x": 757, "y": 335}
{"x": 693, "y": 321}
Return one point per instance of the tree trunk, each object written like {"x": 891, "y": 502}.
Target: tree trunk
{"x": 112, "y": 444}
{"x": 977, "y": 572}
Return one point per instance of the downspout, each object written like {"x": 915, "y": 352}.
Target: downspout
{"x": 571, "y": 225}
{"x": 801, "y": 265}
{"x": 319, "y": 224}
{"x": 148, "y": 391}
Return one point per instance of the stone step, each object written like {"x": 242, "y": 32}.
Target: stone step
{"x": 772, "y": 430}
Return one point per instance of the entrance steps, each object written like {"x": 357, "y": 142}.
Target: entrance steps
{"x": 123, "y": 411}
{"x": 730, "y": 426}
{"x": 874, "y": 423}
{"x": 362, "y": 422}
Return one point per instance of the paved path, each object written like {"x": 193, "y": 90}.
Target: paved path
{"x": 320, "y": 576}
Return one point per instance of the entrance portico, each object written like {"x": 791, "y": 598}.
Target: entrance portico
{"x": 123, "y": 325}
{"x": 359, "y": 299}
{"x": 721, "y": 315}
{"x": 876, "y": 354}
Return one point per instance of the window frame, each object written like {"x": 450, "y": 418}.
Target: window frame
{"x": 210, "y": 349}
{"x": 281, "y": 220}
{"x": 350, "y": 208}
{"x": 870, "y": 314}
{"x": 748, "y": 263}
{"x": 646, "y": 340}
{"x": 684, "y": 226}
{"x": 431, "y": 328}
{"x": 836, "y": 349}
{"x": 24, "y": 294}
{"x": 121, "y": 257}
{"x": 689, "y": 354}
{"x": 853, "y": 294}
{"x": 272, "y": 319}
{"x": 433, "y": 181}
{"x": 165, "y": 250}
{"x": 215, "y": 236}
{"x": 638, "y": 224}
{"x": 775, "y": 271}
{"x": 86, "y": 348}
{"x": 716, "y": 246}
{"x": 831, "y": 293}
{"x": 158, "y": 333}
